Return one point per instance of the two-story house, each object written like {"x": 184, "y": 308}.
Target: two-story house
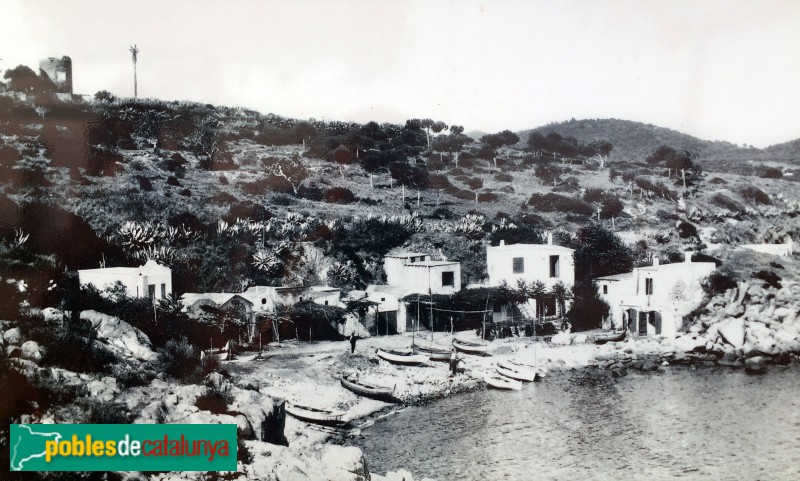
{"x": 652, "y": 300}
{"x": 546, "y": 263}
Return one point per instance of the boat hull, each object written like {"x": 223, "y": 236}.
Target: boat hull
{"x": 502, "y": 382}
{"x": 316, "y": 416}
{"x": 618, "y": 337}
{"x": 372, "y": 392}
{"x": 471, "y": 348}
{"x": 401, "y": 358}
{"x": 438, "y": 355}
{"x": 520, "y": 374}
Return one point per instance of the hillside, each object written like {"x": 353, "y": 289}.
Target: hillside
{"x": 231, "y": 198}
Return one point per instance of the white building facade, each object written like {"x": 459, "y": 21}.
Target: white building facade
{"x": 149, "y": 280}
{"x": 652, "y": 300}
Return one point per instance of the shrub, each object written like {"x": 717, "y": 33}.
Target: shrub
{"x": 101, "y": 412}
{"x": 179, "y": 359}
{"x": 340, "y": 195}
{"x": 502, "y": 177}
{"x": 772, "y": 173}
{"x": 593, "y": 195}
{"x": 487, "y": 197}
{"x": 558, "y": 203}
{"x": 718, "y": 282}
{"x": 755, "y": 195}
{"x": 721, "y": 200}
{"x": 770, "y": 278}
{"x": 686, "y": 230}
{"x": 144, "y": 183}
{"x": 717, "y": 181}
{"x": 475, "y": 183}
{"x": 213, "y": 401}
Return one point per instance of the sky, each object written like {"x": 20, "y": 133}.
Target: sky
{"x": 719, "y": 70}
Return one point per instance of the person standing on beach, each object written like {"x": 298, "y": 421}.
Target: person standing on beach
{"x": 353, "y": 340}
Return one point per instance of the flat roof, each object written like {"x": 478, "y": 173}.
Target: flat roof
{"x": 432, "y": 264}
{"x": 512, "y": 247}
{"x": 406, "y": 255}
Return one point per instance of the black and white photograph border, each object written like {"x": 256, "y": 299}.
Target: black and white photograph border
{"x": 407, "y": 240}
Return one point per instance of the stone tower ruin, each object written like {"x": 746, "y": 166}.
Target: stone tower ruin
{"x": 57, "y": 71}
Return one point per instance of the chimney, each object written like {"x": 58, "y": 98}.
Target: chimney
{"x": 549, "y": 238}
{"x": 502, "y": 242}
{"x": 655, "y": 260}
{"x": 687, "y": 257}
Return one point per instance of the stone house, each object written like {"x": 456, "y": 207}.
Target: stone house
{"x": 652, "y": 300}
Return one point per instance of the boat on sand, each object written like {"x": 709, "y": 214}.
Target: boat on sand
{"x": 612, "y": 337}
{"x": 496, "y": 381}
{"x": 434, "y": 354}
{"x": 513, "y": 371}
{"x": 401, "y": 357}
{"x": 471, "y": 347}
{"x": 309, "y": 414}
{"x": 368, "y": 390}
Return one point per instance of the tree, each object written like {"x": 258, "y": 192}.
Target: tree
{"x": 135, "y": 57}
{"x": 104, "y": 96}
{"x": 495, "y": 141}
{"x": 599, "y": 252}
{"x": 22, "y": 79}
{"x": 562, "y": 295}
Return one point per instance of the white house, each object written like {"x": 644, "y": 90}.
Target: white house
{"x": 259, "y": 300}
{"x": 547, "y": 263}
{"x": 149, "y": 280}
{"x": 784, "y": 250}
{"x": 418, "y": 274}
{"x": 652, "y": 300}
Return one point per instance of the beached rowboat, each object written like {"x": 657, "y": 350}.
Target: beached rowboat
{"x": 367, "y": 390}
{"x": 471, "y": 347}
{"x": 540, "y": 369}
{"x": 401, "y": 357}
{"x": 516, "y": 372}
{"x": 317, "y": 416}
{"x": 497, "y": 381}
{"x": 434, "y": 354}
{"x": 613, "y": 337}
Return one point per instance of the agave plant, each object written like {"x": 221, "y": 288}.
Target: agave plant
{"x": 136, "y": 236}
{"x": 267, "y": 262}
{"x": 20, "y": 237}
{"x": 163, "y": 255}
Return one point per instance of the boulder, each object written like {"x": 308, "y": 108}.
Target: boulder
{"x": 561, "y": 339}
{"x": 267, "y": 416}
{"x": 755, "y": 365}
{"x": 32, "y": 351}
{"x": 579, "y": 339}
{"x": 12, "y": 336}
{"x": 344, "y": 459}
{"x": 649, "y": 366}
{"x": 243, "y": 428}
{"x": 104, "y": 389}
{"x": 118, "y": 333}
{"x": 620, "y": 372}
{"x": 153, "y": 413}
{"x": 52, "y": 315}
{"x": 732, "y": 331}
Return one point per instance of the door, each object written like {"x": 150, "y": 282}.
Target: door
{"x": 643, "y": 323}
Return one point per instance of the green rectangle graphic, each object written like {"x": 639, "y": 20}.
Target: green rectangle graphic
{"x": 123, "y": 447}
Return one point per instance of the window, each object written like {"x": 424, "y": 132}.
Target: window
{"x": 497, "y": 307}
{"x": 163, "y": 291}
{"x": 151, "y": 291}
{"x": 648, "y": 286}
{"x": 605, "y": 289}
{"x": 448, "y": 279}
{"x": 518, "y": 265}
{"x": 554, "y": 266}
{"x": 412, "y": 259}
{"x": 383, "y": 299}
{"x": 326, "y": 303}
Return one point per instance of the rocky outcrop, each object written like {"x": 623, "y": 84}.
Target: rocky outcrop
{"x": 748, "y": 326}
{"x": 128, "y": 340}
{"x": 32, "y": 351}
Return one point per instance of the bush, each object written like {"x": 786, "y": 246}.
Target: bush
{"x": 755, "y": 195}
{"x": 558, "y": 203}
{"x": 721, "y": 200}
{"x": 101, "y": 412}
{"x": 475, "y": 183}
{"x": 501, "y": 177}
{"x": 340, "y": 195}
{"x": 213, "y": 401}
{"x": 717, "y": 181}
{"x": 593, "y": 195}
{"x": 179, "y": 359}
{"x": 686, "y": 230}
{"x": 719, "y": 282}
{"x": 772, "y": 173}
{"x": 770, "y": 278}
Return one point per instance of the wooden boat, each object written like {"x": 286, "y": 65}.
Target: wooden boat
{"x": 223, "y": 354}
{"x": 434, "y": 354}
{"x": 539, "y": 369}
{"x": 497, "y": 381}
{"x": 514, "y": 371}
{"x": 367, "y": 390}
{"x": 401, "y": 357}
{"x": 613, "y": 337}
{"x": 471, "y": 347}
{"x": 317, "y": 416}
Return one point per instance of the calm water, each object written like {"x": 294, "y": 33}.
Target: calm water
{"x": 687, "y": 424}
